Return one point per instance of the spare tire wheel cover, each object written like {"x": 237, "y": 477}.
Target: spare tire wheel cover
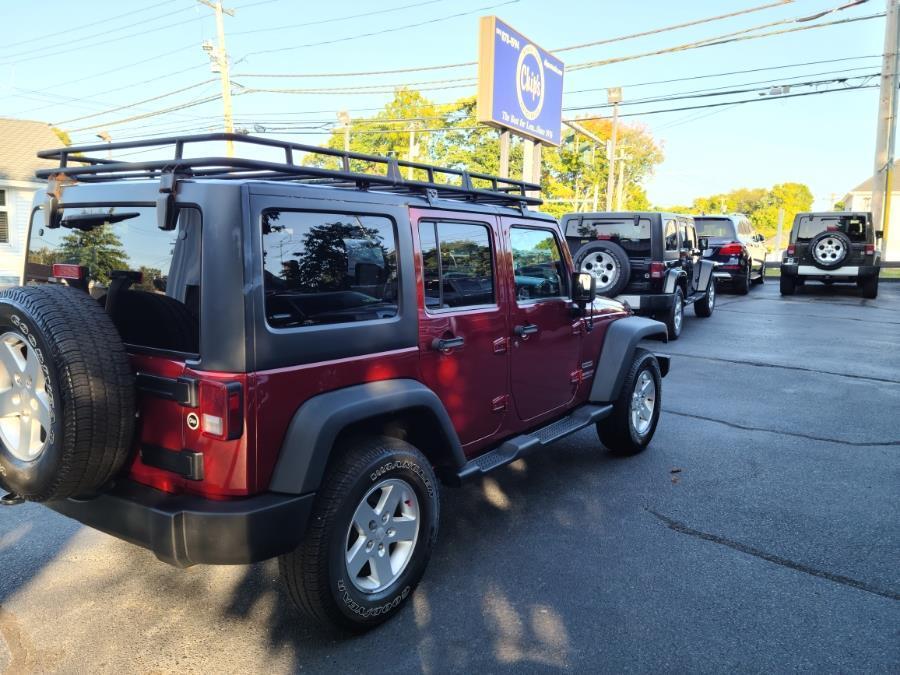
{"x": 608, "y": 263}
{"x": 829, "y": 249}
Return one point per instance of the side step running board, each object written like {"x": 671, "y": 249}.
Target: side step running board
{"x": 520, "y": 446}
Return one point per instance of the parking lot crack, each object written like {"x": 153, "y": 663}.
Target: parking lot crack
{"x": 797, "y": 434}
{"x": 682, "y": 528}
{"x": 761, "y": 364}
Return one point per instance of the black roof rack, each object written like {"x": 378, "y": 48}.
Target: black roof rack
{"x": 357, "y": 171}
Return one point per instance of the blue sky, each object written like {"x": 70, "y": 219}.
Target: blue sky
{"x": 825, "y": 141}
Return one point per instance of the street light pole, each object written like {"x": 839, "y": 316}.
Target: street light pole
{"x": 344, "y": 119}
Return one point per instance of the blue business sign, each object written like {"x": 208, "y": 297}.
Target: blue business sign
{"x": 519, "y": 84}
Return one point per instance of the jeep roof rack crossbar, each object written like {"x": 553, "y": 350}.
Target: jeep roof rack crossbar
{"x": 358, "y": 171}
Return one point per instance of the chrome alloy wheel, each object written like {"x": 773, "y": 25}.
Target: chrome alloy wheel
{"x": 603, "y": 267}
{"x": 25, "y": 418}
{"x": 679, "y": 314}
{"x": 382, "y": 536}
{"x": 829, "y": 250}
{"x": 711, "y": 294}
{"x": 643, "y": 401}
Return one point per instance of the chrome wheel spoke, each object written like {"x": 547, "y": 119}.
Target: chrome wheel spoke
{"x": 42, "y": 410}
{"x": 365, "y": 518}
{"x": 8, "y": 404}
{"x": 357, "y": 557}
{"x": 387, "y": 504}
{"x": 11, "y": 357}
{"x": 380, "y": 564}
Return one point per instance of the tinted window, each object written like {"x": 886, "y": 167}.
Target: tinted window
{"x": 688, "y": 237}
{"x": 671, "y": 236}
{"x": 715, "y": 227}
{"x": 634, "y": 238}
{"x": 853, "y": 226}
{"x": 457, "y": 264}
{"x": 537, "y": 264}
{"x": 148, "y": 279}
{"x": 324, "y": 268}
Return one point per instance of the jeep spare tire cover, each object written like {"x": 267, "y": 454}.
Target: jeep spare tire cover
{"x": 608, "y": 263}
{"x": 829, "y": 249}
{"x": 66, "y": 394}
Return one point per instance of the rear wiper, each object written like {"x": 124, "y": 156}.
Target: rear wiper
{"x": 90, "y": 221}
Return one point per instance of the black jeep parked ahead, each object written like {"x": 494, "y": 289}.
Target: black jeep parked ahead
{"x": 650, "y": 260}
{"x": 832, "y": 247}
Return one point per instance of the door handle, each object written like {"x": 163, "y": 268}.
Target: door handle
{"x": 446, "y": 344}
{"x": 524, "y": 331}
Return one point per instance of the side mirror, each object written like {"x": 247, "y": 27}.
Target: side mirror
{"x": 703, "y": 243}
{"x": 879, "y": 234}
{"x": 584, "y": 288}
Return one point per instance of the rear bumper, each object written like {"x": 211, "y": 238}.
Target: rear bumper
{"x": 650, "y": 303}
{"x": 848, "y": 272}
{"x": 185, "y": 530}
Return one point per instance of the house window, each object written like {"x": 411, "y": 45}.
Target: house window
{"x": 4, "y": 219}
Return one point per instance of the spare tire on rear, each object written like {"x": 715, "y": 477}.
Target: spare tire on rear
{"x": 66, "y": 394}
{"x": 608, "y": 263}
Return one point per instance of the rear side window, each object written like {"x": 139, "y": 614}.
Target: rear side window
{"x": 326, "y": 268}
{"x": 537, "y": 264}
{"x": 633, "y": 236}
{"x": 147, "y": 279}
{"x": 688, "y": 237}
{"x": 853, "y": 226}
{"x": 671, "y": 236}
{"x": 457, "y": 264}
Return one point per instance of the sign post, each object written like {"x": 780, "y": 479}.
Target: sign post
{"x": 520, "y": 91}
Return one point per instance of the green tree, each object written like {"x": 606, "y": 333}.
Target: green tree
{"x": 98, "y": 249}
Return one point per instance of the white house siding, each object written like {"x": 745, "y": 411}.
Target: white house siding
{"x": 12, "y": 254}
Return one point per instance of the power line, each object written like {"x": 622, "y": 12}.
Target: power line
{"x": 335, "y": 19}
{"x": 92, "y": 24}
{"x": 384, "y": 31}
{"x": 180, "y": 106}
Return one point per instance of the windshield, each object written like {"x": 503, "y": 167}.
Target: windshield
{"x": 148, "y": 279}
{"x": 633, "y": 237}
{"x": 722, "y": 228}
{"x": 853, "y": 226}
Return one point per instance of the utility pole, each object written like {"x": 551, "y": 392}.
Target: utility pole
{"x": 220, "y": 57}
{"x": 410, "y": 172}
{"x": 885, "y": 136}
{"x": 620, "y": 183}
{"x": 531, "y": 163}
{"x": 614, "y": 97}
{"x": 504, "y": 153}
{"x": 344, "y": 119}
{"x": 780, "y": 230}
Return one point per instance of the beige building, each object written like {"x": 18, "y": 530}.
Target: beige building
{"x": 860, "y": 199}
{"x": 19, "y": 142}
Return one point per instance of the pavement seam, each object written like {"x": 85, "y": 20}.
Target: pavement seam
{"x": 760, "y": 364}
{"x": 744, "y": 427}
{"x": 682, "y": 528}
{"x": 812, "y": 316}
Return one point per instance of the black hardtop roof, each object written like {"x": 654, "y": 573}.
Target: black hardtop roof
{"x": 625, "y": 214}
{"x": 358, "y": 172}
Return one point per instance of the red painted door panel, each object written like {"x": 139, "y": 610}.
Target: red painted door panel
{"x": 461, "y": 300}
{"x": 545, "y": 352}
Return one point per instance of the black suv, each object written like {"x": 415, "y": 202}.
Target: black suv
{"x": 738, "y": 250}
{"x": 832, "y": 247}
{"x": 649, "y": 260}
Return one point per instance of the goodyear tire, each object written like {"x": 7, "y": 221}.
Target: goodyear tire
{"x": 373, "y": 527}
{"x": 66, "y": 394}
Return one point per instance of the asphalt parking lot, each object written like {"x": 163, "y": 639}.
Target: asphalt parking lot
{"x": 760, "y": 531}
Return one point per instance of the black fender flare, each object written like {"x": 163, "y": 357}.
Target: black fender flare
{"x": 706, "y": 273}
{"x": 673, "y": 275}
{"x": 617, "y": 354}
{"x": 317, "y": 423}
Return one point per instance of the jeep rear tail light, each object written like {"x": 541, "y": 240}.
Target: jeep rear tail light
{"x": 791, "y": 249}
{"x": 69, "y": 272}
{"x": 221, "y": 409}
{"x": 731, "y": 249}
{"x": 657, "y": 269}
{"x": 870, "y": 249}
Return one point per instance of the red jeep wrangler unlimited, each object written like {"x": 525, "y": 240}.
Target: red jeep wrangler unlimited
{"x": 226, "y": 360}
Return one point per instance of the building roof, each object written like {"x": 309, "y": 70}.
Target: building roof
{"x": 19, "y": 142}
{"x": 866, "y": 185}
